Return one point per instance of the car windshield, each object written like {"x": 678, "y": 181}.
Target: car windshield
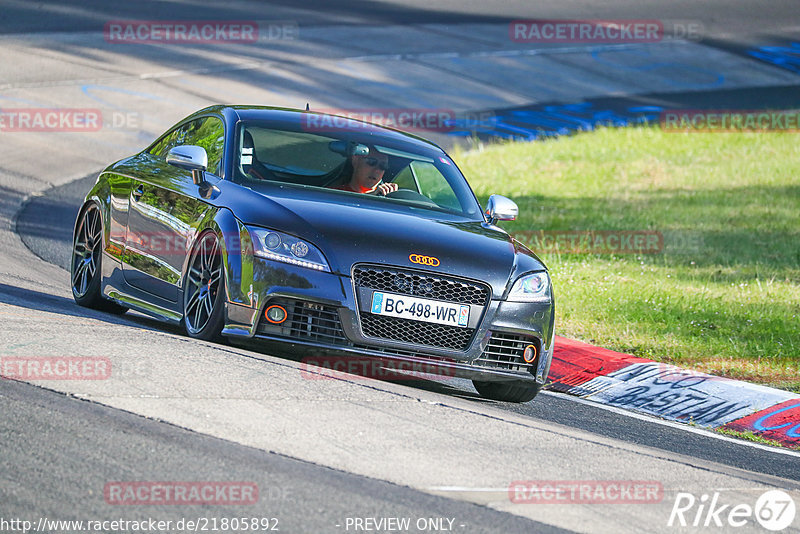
{"x": 325, "y": 160}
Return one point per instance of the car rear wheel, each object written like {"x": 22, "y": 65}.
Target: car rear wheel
{"x": 203, "y": 299}
{"x": 507, "y": 391}
{"x": 87, "y": 255}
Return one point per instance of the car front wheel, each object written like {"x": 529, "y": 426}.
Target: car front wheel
{"x": 507, "y": 391}
{"x": 87, "y": 255}
{"x": 203, "y": 295}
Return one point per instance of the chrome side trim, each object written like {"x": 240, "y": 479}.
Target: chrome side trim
{"x": 145, "y": 307}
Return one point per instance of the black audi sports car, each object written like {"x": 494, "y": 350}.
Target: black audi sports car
{"x": 250, "y": 222}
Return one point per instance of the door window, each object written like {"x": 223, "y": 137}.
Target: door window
{"x": 206, "y": 132}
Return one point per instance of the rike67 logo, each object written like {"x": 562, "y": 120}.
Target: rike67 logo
{"x": 774, "y": 510}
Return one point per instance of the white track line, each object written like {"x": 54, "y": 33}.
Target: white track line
{"x": 494, "y": 53}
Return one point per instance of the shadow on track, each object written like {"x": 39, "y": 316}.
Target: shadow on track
{"x": 40, "y": 301}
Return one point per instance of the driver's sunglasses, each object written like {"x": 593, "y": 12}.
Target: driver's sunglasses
{"x": 374, "y": 162}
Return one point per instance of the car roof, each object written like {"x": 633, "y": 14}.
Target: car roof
{"x": 294, "y": 119}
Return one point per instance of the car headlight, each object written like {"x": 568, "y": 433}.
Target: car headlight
{"x": 533, "y": 287}
{"x": 286, "y": 248}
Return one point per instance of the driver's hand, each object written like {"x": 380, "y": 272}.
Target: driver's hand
{"x": 385, "y": 189}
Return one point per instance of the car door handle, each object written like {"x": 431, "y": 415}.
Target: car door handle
{"x": 137, "y": 193}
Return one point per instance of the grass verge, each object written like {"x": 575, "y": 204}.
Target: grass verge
{"x": 752, "y": 436}
{"x": 722, "y": 295}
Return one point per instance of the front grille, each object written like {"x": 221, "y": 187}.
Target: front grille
{"x": 504, "y": 351}
{"x": 316, "y": 322}
{"x": 308, "y": 321}
{"x": 391, "y": 351}
{"x": 423, "y": 285}
{"x": 419, "y": 284}
{"x": 416, "y": 332}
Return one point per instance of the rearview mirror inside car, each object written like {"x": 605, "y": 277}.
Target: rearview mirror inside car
{"x": 346, "y": 148}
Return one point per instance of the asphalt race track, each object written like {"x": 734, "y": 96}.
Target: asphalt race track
{"x": 39, "y": 225}
{"x": 292, "y": 491}
{"x": 323, "y": 452}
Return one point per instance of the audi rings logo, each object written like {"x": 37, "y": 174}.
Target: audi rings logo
{"x": 424, "y": 260}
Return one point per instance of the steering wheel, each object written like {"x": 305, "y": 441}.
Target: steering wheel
{"x": 410, "y": 194}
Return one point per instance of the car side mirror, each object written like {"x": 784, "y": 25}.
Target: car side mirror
{"x": 190, "y": 157}
{"x": 500, "y": 208}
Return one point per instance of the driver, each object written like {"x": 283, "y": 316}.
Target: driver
{"x": 368, "y": 174}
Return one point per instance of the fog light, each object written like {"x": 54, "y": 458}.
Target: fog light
{"x": 529, "y": 354}
{"x": 275, "y": 314}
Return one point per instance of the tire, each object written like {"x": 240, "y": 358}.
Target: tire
{"x": 86, "y": 263}
{"x": 507, "y": 391}
{"x": 204, "y": 290}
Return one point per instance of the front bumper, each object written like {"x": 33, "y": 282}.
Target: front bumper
{"x": 325, "y": 319}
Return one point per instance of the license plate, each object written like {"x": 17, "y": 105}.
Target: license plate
{"x": 430, "y": 311}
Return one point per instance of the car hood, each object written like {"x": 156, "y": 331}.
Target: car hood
{"x": 352, "y": 230}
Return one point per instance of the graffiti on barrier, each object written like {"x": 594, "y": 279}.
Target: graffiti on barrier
{"x": 679, "y": 394}
{"x": 780, "y": 422}
{"x": 762, "y": 423}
